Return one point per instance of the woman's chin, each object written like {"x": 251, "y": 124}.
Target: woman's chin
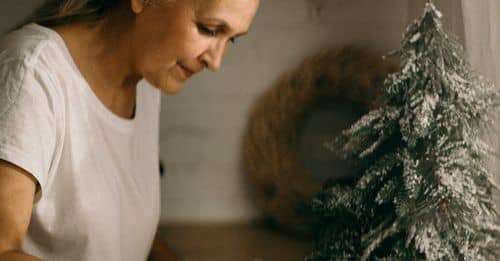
{"x": 167, "y": 85}
{"x": 170, "y": 88}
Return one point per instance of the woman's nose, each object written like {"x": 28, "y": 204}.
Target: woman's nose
{"x": 212, "y": 57}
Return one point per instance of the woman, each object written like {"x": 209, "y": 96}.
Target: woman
{"x": 78, "y": 137}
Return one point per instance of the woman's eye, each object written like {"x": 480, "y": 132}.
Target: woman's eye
{"x": 210, "y": 32}
{"x": 205, "y": 30}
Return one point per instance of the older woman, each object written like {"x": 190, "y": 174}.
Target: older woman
{"x": 78, "y": 136}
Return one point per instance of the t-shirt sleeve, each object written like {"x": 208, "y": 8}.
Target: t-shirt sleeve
{"x": 27, "y": 120}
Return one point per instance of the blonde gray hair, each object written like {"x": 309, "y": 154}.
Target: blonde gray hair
{"x": 59, "y": 12}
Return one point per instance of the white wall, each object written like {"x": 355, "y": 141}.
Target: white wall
{"x": 202, "y": 126}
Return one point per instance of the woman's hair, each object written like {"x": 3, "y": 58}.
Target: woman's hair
{"x": 59, "y": 12}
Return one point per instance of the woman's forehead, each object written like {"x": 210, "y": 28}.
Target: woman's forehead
{"x": 238, "y": 14}
{"x": 235, "y": 7}
{"x": 204, "y": 4}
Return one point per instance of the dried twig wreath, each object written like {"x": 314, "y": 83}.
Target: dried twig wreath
{"x": 282, "y": 186}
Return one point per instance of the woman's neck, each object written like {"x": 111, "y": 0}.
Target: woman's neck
{"x": 101, "y": 54}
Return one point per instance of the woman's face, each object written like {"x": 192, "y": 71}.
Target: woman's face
{"x": 172, "y": 41}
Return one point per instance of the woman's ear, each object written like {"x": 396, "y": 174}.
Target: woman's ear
{"x": 137, "y": 6}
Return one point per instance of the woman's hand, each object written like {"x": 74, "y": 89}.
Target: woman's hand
{"x": 161, "y": 252}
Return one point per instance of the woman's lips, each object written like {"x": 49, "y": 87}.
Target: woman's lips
{"x": 186, "y": 71}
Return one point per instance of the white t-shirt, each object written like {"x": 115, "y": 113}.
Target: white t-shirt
{"x": 98, "y": 173}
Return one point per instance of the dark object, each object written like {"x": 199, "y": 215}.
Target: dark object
{"x": 162, "y": 168}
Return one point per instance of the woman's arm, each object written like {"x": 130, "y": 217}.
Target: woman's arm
{"x": 17, "y": 190}
{"x": 17, "y": 256}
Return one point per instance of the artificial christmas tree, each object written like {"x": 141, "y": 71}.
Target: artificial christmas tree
{"x": 423, "y": 191}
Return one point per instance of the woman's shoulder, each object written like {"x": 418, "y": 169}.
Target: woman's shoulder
{"x": 28, "y": 60}
{"x": 31, "y": 52}
{"x": 27, "y": 45}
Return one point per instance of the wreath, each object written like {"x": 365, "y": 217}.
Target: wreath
{"x": 281, "y": 185}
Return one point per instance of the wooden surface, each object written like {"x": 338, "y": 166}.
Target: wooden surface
{"x": 233, "y": 242}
